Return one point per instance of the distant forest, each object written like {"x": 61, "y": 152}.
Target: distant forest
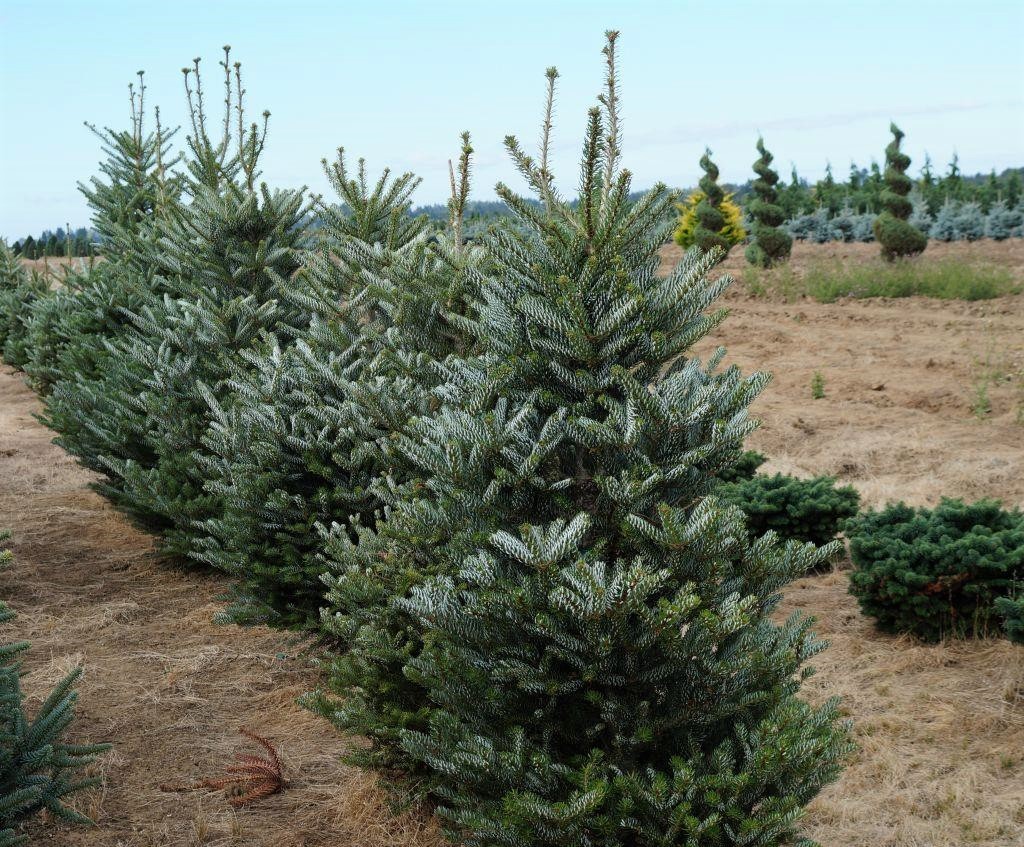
{"x": 58, "y": 242}
{"x": 859, "y": 192}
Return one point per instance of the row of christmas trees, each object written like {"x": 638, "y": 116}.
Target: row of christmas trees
{"x": 481, "y": 473}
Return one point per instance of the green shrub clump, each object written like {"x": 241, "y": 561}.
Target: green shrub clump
{"x": 38, "y": 768}
{"x": 744, "y": 467}
{"x": 1012, "y": 612}
{"x": 893, "y": 230}
{"x": 936, "y": 572}
{"x": 801, "y": 509}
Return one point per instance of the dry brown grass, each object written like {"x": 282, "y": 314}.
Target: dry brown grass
{"x": 161, "y": 681}
{"x": 941, "y": 728}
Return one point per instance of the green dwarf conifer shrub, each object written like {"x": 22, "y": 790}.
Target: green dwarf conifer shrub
{"x": 771, "y": 243}
{"x": 802, "y": 509}
{"x": 744, "y": 468}
{"x": 892, "y": 227}
{"x": 590, "y": 632}
{"x": 39, "y": 768}
{"x": 1012, "y": 612}
{"x": 937, "y": 572}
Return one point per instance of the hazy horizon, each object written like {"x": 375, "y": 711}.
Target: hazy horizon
{"x": 399, "y": 90}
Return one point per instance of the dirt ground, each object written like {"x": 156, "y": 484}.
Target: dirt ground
{"x": 941, "y": 728}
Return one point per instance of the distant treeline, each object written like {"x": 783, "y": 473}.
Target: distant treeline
{"x": 59, "y": 242}
{"x": 860, "y": 193}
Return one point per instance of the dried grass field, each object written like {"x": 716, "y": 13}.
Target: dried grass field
{"x": 940, "y": 728}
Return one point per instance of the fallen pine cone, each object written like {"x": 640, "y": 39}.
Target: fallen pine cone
{"x": 251, "y": 778}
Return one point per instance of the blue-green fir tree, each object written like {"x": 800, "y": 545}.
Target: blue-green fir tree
{"x": 227, "y": 255}
{"x": 306, "y": 440}
{"x": 591, "y": 629}
{"x": 19, "y": 290}
{"x": 89, "y": 309}
{"x": 94, "y": 402}
{"x": 426, "y": 327}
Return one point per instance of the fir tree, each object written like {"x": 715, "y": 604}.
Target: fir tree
{"x": 408, "y": 379}
{"x": 794, "y": 197}
{"x": 952, "y": 183}
{"x": 1002, "y": 221}
{"x": 944, "y": 226}
{"x": 771, "y": 244}
{"x": 39, "y": 768}
{"x": 93, "y": 403}
{"x": 298, "y": 450}
{"x": 226, "y": 260}
{"x": 920, "y": 218}
{"x": 709, "y": 232}
{"x": 892, "y": 228}
{"x": 928, "y": 185}
{"x": 19, "y": 290}
{"x": 592, "y": 628}
{"x": 827, "y": 192}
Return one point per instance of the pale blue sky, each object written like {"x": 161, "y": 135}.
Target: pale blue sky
{"x": 397, "y": 81}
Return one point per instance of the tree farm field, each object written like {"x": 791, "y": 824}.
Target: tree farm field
{"x": 923, "y": 397}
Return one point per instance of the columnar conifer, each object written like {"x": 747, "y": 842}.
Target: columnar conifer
{"x": 771, "y": 244}
{"x": 895, "y": 234}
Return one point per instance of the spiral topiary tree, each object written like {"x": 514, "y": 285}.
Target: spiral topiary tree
{"x": 771, "y": 244}
{"x": 893, "y": 229}
{"x": 710, "y": 220}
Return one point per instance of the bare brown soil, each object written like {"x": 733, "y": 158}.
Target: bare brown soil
{"x": 940, "y": 728}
